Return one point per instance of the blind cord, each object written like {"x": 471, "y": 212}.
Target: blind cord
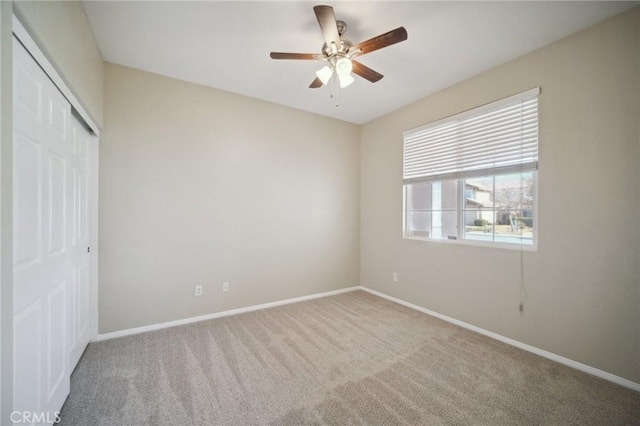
{"x": 523, "y": 288}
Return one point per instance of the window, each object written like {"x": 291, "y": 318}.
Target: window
{"x": 472, "y": 177}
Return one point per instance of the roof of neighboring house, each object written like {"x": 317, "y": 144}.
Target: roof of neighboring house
{"x": 479, "y": 203}
{"x": 478, "y": 186}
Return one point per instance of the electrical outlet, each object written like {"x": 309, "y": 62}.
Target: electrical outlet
{"x": 225, "y": 287}
{"x": 395, "y": 277}
{"x": 198, "y": 290}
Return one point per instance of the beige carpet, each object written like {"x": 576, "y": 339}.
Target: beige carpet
{"x": 347, "y": 359}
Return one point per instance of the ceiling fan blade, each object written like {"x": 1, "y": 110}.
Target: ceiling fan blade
{"x": 306, "y": 56}
{"x": 383, "y": 40}
{"x": 327, "y": 21}
{"x": 366, "y": 72}
{"x": 315, "y": 83}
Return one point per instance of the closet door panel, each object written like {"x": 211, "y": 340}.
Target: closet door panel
{"x": 46, "y": 277}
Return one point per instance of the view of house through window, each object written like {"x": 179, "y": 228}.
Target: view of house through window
{"x": 496, "y": 208}
{"x": 500, "y": 208}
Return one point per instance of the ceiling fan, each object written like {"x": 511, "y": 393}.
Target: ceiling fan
{"x": 339, "y": 53}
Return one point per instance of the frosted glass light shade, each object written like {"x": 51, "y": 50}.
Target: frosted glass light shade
{"x": 345, "y": 80}
{"x": 324, "y": 74}
{"x": 344, "y": 66}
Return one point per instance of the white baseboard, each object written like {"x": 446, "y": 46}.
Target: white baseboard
{"x": 549, "y": 355}
{"x": 146, "y": 328}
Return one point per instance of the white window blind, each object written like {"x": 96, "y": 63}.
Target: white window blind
{"x": 495, "y": 138}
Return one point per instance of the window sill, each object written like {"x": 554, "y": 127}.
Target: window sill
{"x": 487, "y": 244}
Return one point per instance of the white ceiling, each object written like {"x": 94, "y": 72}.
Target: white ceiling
{"x": 226, "y": 45}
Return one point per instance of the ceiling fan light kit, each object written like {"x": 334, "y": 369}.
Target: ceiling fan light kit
{"x": 324, "y": 74}
{"x": 339, "y": 52}
{"x": 344, "y": 66}
{"x": 345, "y": 80}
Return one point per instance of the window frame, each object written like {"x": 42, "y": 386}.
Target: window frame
{"x": 460, "y": 240}
{"x": 459, "y": 177}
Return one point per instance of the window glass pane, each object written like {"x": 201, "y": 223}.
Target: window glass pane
{"x": 444, "y": 201}
{"x": 449, "y": 195}
{"x": 478, "y": 224}
{"x": 479, "y": 193}
{"x": 419, "y": 196}
{"x": 418, "y": 210}
{"x": 499, "y": 208}
{"x": 494, "y": 209}
{"x": 418, "y": 224}
{"x": 512, "y": 226}
{"x": 478, "y": 212}
{"x": 479, "y": 235}
{"x": 514, "y": 190}
{"x": 514, "y": 208}
{"x": 432, "y": 210}
{"x": 444, "y": 225}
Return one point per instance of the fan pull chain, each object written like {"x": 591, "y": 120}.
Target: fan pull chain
{"x": 335, "y": 90}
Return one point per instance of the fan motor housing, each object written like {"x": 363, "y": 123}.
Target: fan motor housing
{"x": 344, "y": 47}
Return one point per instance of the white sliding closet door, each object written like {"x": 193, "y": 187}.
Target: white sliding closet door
{"x": 51, "y": 239}
{"x": 78, "y": 236}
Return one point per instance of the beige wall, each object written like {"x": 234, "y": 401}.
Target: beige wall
{"x": 201, "y": 186}
{"x": 62, "y": 31}
{"x": 583, "y": 284}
